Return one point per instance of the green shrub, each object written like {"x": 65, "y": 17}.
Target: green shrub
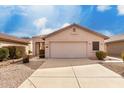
{"x": 101, "y": 55}
{"x": 4, "y": 53}
{"x": 122, "y": 56}
{"x": 16, "y": 52}
{"x": 41, "y": 53}
{"x": 19, "y": 53}
{"x": 29, "y": 51}
{"x": 12, "y": 52}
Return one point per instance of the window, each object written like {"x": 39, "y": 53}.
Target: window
{"x": 95, "y": 45}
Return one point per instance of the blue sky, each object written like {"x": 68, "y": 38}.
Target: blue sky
{"x": 27, "y": 21}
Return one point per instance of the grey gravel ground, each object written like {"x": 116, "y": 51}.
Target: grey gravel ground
{"x": 13, "y": 75}
{"x": 116, "y": 67}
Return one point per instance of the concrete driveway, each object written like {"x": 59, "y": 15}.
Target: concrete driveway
{"x": 73, "y": 73}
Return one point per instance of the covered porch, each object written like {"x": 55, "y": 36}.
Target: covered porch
{"x": 38, "y": 44}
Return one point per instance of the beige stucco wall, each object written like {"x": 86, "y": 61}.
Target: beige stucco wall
{"x": 115, "y": 48}
{"x": 4, "y": 43}
{"x": 70, "y": 36}
{"x": 30, "y": 46}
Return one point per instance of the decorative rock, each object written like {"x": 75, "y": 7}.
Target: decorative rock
{"x": 8, "y": 62}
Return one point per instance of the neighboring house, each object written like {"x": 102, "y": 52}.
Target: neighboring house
{"x": 73, "y": 41}
{"x": 115, "y": 45}
{"x": 7, "y": 40}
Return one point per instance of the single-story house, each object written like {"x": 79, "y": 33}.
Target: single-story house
{"x": 115, "y": 45}
{"x": 73, "y": 41}
{"x": 7, "y": 40}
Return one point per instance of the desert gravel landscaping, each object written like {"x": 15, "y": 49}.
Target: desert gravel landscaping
{"x": 117, "y": 67}
{"x": 13, "y": 75}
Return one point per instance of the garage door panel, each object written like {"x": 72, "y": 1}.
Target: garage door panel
{"x": 68, "y": 50}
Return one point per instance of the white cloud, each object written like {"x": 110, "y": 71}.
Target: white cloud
{"x": 50, "y": 30}
{"x": 107, "y": 33}
{"x": 47, "y": 31}
{"x": 21, "y": 33}
{"x": 103, "y": 8}
{"x": 40, "y": 23}
{"x": 120, "y": 9}
{"x": 42, "y": 29}
{"x": 37, "y": 16}
{"x": 65, "y": 24}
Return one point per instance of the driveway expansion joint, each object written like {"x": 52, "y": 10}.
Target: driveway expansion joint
{"x": 54, "y": 76}
{"x": 76, "y": 78}
{"x": 32, "y": 83}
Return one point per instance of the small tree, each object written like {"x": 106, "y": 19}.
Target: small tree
{"x": 4, "y": 53}
{"x": 12, "y": 52}
{"x": 18, "y": 53}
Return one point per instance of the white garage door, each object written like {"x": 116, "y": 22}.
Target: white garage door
{"x": 68, "y": 50}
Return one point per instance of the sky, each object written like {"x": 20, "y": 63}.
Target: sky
{"x": 28, "y": 21}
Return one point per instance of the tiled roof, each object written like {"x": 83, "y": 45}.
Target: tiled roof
{"x": 8, "y": 38}
{"x": 115, "y": 38}
{"x": 41, "y": 36}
